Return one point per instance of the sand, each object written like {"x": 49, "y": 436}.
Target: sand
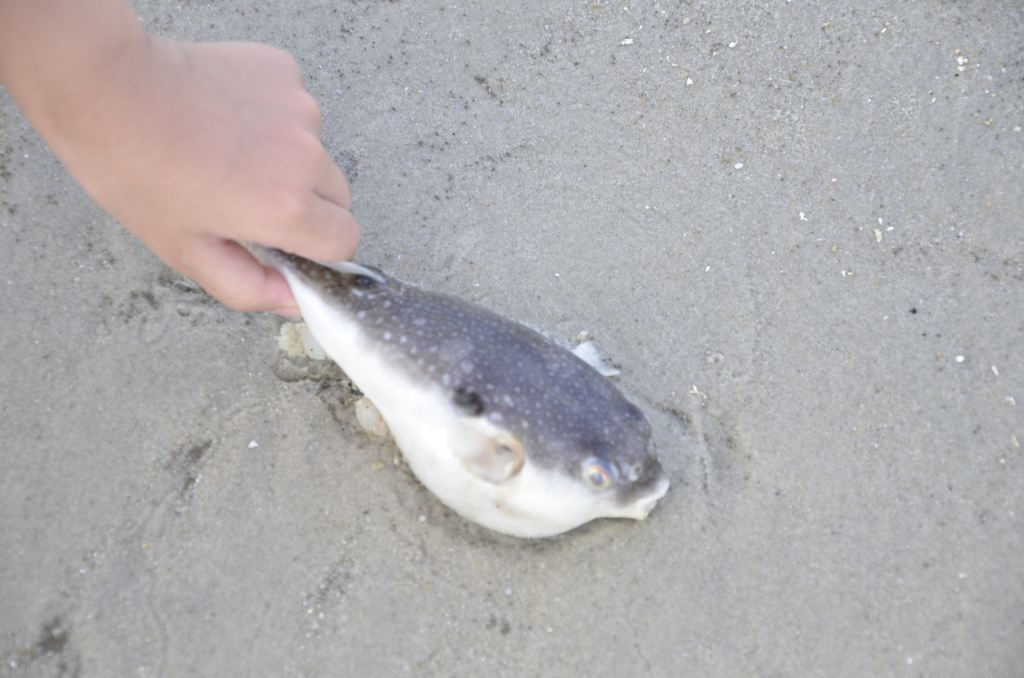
{"x": 798, "y": 231}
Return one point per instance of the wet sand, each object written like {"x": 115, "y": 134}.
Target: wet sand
{"x": 800, "y": 233}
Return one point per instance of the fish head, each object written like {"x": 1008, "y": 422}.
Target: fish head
{"x": 548, "y": 484}
{"x": 631, "y": 481}
{"x": 616, "y": 463}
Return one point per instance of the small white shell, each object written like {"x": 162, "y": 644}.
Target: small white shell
{"x": 297, "y": 341}
{"x": 369, "y": 418}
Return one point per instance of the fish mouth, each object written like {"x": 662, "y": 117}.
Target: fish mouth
{"x": 646, "y": 493}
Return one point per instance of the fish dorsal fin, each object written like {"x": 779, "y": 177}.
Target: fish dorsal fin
{"x": 587, "y": 352}
{"x": 352, "y": 268}
{"x": 280, "y": 259}
{"x": 487, "y": 452}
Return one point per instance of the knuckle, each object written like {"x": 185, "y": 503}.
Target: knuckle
{"x": 346, "y": 237}
{"x": 241, "y": 302}
{"x": 287, "y": 62}
{"x": 309, "y": 107}
{"x": 240, "y": 297}
{"x": 305, "y": 145}
{"x": 290, "y": 208}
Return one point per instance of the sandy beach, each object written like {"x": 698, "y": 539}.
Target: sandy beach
{"x": 798, "y": 231}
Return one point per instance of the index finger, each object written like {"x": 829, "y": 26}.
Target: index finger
{"x": 331, "y": 183}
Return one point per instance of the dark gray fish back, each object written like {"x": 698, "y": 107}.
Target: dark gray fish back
{"x": 554, "y": 402}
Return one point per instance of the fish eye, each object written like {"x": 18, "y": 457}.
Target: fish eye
{"x": 599, "y": 473}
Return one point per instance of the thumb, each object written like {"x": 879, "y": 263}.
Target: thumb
{"x": 229, "y": 273}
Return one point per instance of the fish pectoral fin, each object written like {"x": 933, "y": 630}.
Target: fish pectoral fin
{"x": 488, "y": 453}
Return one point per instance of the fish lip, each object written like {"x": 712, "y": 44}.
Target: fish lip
{"x": 660, "y": 490}
{"x": 641, "y": 505}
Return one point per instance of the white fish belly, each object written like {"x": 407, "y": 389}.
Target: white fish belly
{"x": 417, "y": 413}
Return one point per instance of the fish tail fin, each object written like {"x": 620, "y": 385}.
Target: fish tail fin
{"x": 279, "y": 259}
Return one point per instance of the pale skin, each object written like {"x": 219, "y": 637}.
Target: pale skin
{"x": 195, "y": 148}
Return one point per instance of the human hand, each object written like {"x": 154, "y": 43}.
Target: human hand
{"x": 197, "y": 148}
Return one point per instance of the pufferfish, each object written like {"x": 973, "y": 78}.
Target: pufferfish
{"x": 506, "y": 428}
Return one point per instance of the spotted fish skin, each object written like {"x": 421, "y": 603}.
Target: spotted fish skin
{"x": 495, "y": 370}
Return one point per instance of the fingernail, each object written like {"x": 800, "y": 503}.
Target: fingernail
{"x": 287, "y": 311}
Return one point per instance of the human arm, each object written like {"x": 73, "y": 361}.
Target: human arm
{"x": 194, "y": 147}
